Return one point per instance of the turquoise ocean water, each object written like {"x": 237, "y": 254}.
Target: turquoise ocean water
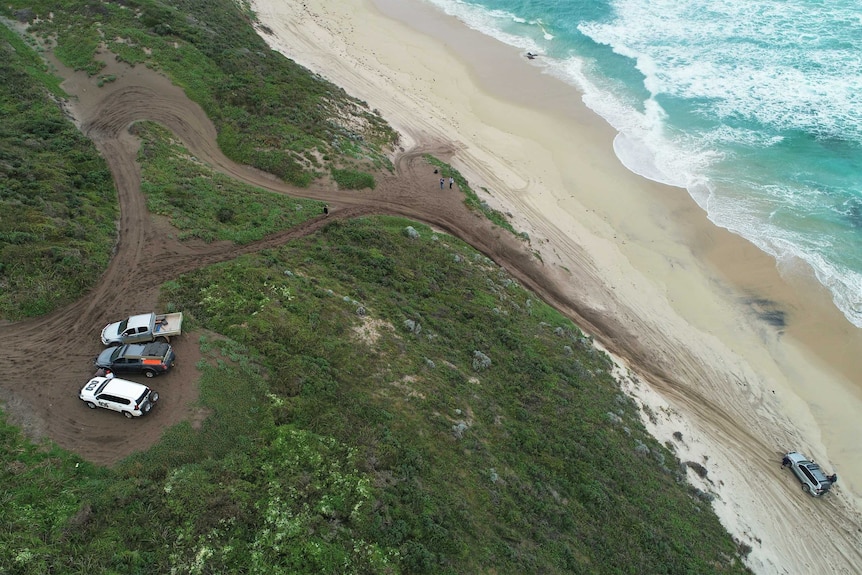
{"x": 753, "y": 106}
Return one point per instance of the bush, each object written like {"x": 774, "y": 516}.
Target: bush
{"x": 352, "y": 180}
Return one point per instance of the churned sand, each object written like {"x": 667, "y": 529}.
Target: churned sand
{"x": 743, "y": 360}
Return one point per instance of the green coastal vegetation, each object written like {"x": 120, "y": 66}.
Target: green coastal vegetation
{"x": 381, "y": 401}
{"x": 55, "y": 189}
{"x": 380, "y": 398}
{"x": 58, "y": 206}
{"x": 204, "y": 204}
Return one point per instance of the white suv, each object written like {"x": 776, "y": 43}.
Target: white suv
{"x": 129, "y": 398}
{"x": 814, "y": 480}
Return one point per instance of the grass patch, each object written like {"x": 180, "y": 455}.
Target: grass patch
{"x": 56, "y": 194}
{"x": 57, "y": 198}
{"x": 206, "y": 204}
{"x": 270, "y": 112}
{"x": 352, "y": 180}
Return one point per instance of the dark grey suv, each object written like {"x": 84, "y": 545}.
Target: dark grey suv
{"x": 151, "y": 359}
{"x": 814, "y": 480}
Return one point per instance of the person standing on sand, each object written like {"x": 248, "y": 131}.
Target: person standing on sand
{"x": 451, "y": 181}
{"x": 442, "y": 181}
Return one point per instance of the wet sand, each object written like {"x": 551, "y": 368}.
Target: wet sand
{"x": 745, "y": 358}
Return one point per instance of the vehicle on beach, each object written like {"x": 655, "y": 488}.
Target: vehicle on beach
{"x": 143, "y": 327}
{"x": 129, "y": 398}
{"x": 814, "y": 480}
{"x": 151, "y": 359}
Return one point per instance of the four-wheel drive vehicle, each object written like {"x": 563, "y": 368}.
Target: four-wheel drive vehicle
{"x": 129, "y": 398}
{"x": 151, "y": 359}
{"x": 143, "y": 328}
{"x": 814, "y": 480}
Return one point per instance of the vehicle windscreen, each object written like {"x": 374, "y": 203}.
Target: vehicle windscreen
{"x": 123, "y": 325}
{"x": 108, "y": 355}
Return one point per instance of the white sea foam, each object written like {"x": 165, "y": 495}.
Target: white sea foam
{"x": 748, "y": 63}
{"x": 493, "y": 23}
{"x": 813, "y": 82}
{"x": 732, "y": 102}
{"x": 644, "y": 144}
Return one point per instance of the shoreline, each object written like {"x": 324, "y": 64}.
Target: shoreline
{"x": 709, "y": 303}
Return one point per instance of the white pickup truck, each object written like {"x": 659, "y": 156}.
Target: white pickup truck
{"x": 143, "y": 328}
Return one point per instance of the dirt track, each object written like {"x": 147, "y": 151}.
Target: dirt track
{"x": 46, "y": 404}
{"x": 146, "y": 257}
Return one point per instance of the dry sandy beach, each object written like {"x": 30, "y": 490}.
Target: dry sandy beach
{"x": 741, "y": 389}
